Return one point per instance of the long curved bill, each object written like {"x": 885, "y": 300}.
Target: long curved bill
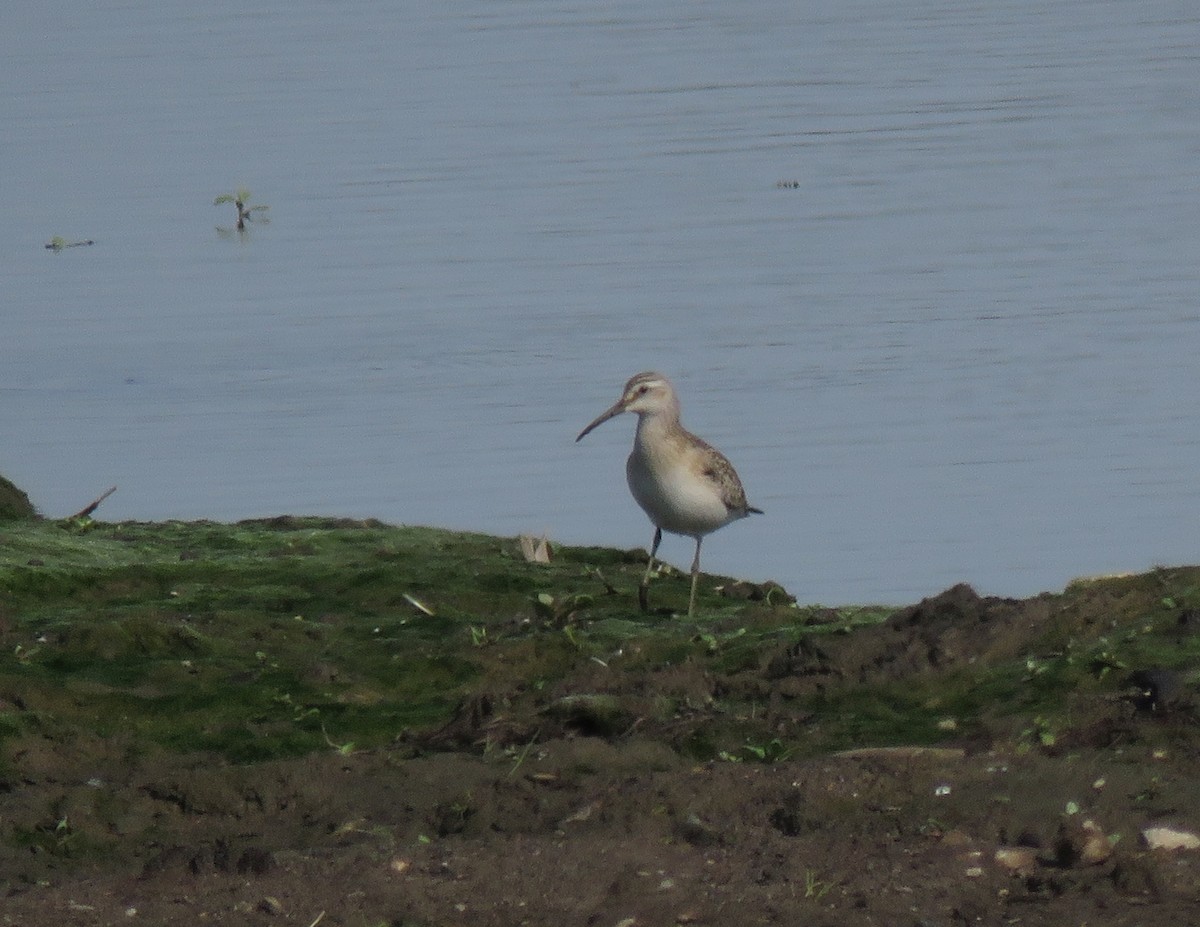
{"x": 603, "y": 417}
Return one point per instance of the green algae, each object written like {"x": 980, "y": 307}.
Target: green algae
{"x": 280, "y": 637}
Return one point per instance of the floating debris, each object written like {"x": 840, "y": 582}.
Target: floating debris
{"x": 58, "y": 243}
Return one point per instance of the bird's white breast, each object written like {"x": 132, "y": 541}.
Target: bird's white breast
{"x": 675, "y": 493}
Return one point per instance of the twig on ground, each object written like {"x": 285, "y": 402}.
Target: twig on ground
{"x": 88, "y": 509}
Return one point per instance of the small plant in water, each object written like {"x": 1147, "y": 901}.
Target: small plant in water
{"x": 245, "y": 212}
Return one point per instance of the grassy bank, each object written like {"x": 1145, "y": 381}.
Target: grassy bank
{"x": 277, "y": 638}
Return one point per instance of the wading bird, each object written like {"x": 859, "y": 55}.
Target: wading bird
{"x": 685, "y": 485}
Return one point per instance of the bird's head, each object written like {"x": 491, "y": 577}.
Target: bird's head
{"x": 646, "y": 394}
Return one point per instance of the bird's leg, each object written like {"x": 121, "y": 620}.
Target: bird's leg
{"x": 695, "y": 576}
{"x": 644, "y": 588}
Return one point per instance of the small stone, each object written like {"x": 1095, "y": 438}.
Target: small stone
{"x": 696, "y": 832}
{"x": 1097, "y": 848}
{"x": 581, "y": 814}
{"x": 1081, "y": 843}
{"x": 270, "y": 905}
{"x": 1017, "y": 860}
{"x": 1167, "y": 838}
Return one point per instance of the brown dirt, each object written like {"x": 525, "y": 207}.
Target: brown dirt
{"x": 586, "y": 813}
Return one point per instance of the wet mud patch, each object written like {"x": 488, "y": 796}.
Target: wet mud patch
{"x": 585, "y": 831}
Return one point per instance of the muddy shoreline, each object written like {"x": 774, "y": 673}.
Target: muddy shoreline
{"x": 254, "y": 724}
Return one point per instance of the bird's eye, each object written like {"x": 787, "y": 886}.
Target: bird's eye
{"x": 643, "y": 389}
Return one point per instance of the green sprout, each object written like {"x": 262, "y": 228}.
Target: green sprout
{"x": 245, "y": 212}
{"x": 815, "y": 888}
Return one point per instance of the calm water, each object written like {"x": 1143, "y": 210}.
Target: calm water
{"x": 964, "y": 348}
